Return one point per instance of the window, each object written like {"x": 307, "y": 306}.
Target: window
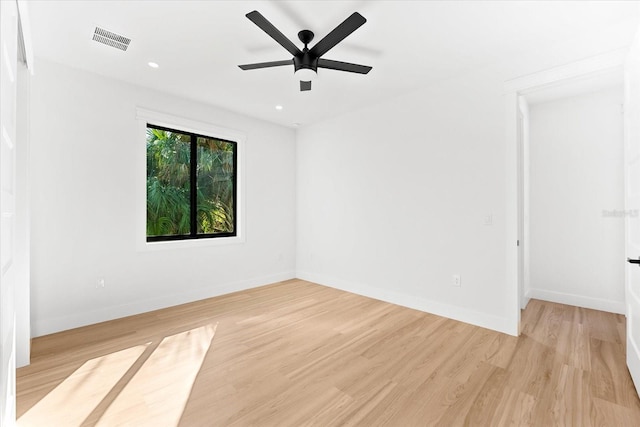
{"x": 191, "y": 185}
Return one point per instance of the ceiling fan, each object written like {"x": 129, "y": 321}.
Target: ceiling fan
{"x": 307, "y": 61}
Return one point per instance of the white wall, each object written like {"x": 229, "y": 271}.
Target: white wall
{"x": 392, "y": 201}
{"x": 577, "y": 173}
{"x": 83, "y": 144}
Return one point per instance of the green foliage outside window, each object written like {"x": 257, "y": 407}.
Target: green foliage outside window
{"x": 169, "y": 181}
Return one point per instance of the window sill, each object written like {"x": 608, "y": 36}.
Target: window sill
{"x": 145, "y": 246}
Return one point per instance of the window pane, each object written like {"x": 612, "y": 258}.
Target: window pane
{"x": 216, "y": 182}
{"x": 168, "y": 184}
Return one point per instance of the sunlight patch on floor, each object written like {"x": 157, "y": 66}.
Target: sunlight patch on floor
{"x": 76, "y": 397}
{"x": 159, "y": 391}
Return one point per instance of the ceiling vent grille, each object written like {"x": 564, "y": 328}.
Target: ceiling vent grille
{"x": 111, "y": 39}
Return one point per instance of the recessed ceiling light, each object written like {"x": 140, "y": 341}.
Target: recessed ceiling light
{"x": 278, "y": 107}
{"x": 153, "y": 64}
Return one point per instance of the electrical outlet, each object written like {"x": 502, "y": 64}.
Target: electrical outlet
{"x": 456, "y": 281}
{"x": 100, "y": 284}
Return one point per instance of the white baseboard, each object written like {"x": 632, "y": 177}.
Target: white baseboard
{"x": 63, "y": 323}
{"x": 578, "y": 300}
{"x": 484, "y": 320}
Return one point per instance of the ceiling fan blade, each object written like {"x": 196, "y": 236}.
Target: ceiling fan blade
{"x": 338, "y": 34}
{"x": 266, "y": 26}
{"x": 304, "y": 86}
{"x": 266, "y": 64}
{"x": 343, "y": 66}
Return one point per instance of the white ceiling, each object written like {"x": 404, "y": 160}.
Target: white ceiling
{"x": 199, "y": 44}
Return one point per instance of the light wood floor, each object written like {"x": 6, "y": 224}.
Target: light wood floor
{"x": 296, "y": 353}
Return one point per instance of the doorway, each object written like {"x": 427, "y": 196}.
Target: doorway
{"x": 576, "y": 198}
{"x": 571, "y": 77}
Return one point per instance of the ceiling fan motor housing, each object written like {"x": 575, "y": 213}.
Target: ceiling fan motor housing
{"x": 306, "y": 60}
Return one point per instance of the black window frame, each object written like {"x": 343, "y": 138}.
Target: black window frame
{"x": 193, "y": 192}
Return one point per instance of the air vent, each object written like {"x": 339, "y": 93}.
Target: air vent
{"x": 111, "y": 39}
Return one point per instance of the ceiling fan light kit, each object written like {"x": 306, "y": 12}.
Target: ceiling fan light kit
{"x": 307, "y": 61}
{"x": 306, "y": 74}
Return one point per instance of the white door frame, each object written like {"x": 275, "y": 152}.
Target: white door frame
{"x": 514, "y": 222}
{"x": 15, "y": 46}
{"x": 632, "y": 247}
{"x": 23, "y": 220}
{"x": 9, "y": 30}
{"x": 522, "y": 184}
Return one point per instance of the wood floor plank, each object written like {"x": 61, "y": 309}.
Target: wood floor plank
{"x": 610, "y": 379}
{"x": 486, "y": 404}
{"x": 531, "y": 367}
{"x": 571, "y": 401}
{"x": 459, "y": 397}
{"x": 297, "y": 353}
{"x": 515, "y": 408}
